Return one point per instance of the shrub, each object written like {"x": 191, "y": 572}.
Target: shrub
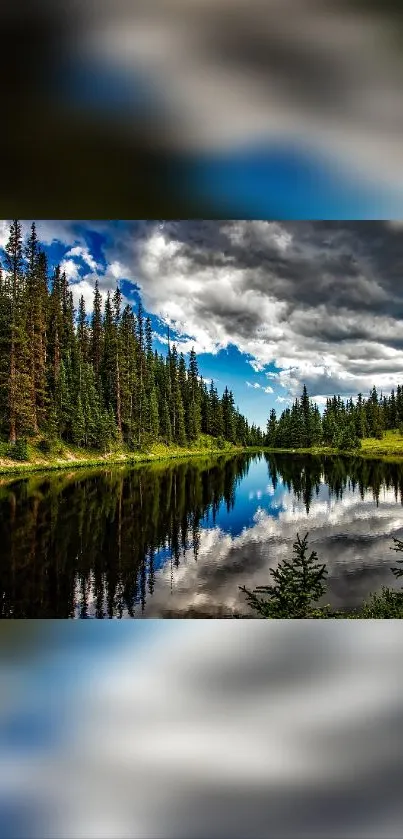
{"x": 45, "y": 446}
{"x": 19, "y": 451}
{"x": 386, "y": 604}
{"x": 299, "y": 583}
{"x": 133, "y": 445}
{"x": 220, "y": 443}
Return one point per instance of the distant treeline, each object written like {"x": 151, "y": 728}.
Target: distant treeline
{"x": 343, "y": 423}
{"x": 95, "y": 381}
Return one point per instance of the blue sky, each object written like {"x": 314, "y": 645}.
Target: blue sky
{"x": 267, "y": 305}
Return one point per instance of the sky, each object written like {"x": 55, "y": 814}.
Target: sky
{"x": 267, "y": 305}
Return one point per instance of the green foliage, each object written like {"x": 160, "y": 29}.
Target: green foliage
{"x": 95, "y": 382}
{"x": 45, "y": 446}
{"x": 386, "y": 604}
{"x": 398, "y": 546}
{"x": 343, "y": 424}
{"x": 19, "y": 451}
{"x": 345, "y": 438}
{"x": 298, "y": 584}
{"x": 50, "y": 446}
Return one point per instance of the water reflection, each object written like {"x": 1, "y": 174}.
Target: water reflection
{"x": 178, "y": 540}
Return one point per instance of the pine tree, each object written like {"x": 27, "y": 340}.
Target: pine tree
{"x": 228, "y": 415}
{"x": 306, "y": 434}
{"x": 154, "y": 415}
{"x": 166, "y": 432}
{"x": 82, "y": 330}
{"x": 271, "y": 428}
{"x": 54, "y": 331}
{"x": 87, "y": 383}
{"x": 194, "y": 418}
{"x": 78, "y": 424}
{"x": 5, "y": 343}
{"x": 96, "y": 331}
{"x": 117, "y": 302}
{"x": 20, "y": 389}
{"x": 128, "y": 378}
{"x": 33, "y": 325}
{"x": 298, "y": 585}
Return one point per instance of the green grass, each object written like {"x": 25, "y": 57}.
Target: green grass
{"x": 69, "y": 456}
{"x": 72, "y": 457}
{"x": 389, "y": 448}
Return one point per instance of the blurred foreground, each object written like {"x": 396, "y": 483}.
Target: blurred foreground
{"x": 221, "y": 729}
{"x": 288, "y": 108}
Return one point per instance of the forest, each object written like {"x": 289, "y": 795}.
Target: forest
{"x": 94, "y": 381}
{"x": 343, "y": 424}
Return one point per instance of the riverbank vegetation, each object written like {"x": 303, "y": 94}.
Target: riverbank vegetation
{"x": 300, "y": 584}
{"x": 42, "y": 454}
{"x": 94, "y": 384}
{"x": 374, "y": 424}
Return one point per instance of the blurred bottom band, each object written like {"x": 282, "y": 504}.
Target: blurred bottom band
{"x": 209, "y": 728}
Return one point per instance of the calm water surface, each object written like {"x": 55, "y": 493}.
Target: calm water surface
{"x": 178, "y": 540}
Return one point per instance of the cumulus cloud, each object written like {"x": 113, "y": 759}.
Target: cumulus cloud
{"x": 83, "y": 253}
{"x": 322, "y": 300}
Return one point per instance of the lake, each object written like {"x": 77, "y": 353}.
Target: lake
{"x": 178, "y": 539}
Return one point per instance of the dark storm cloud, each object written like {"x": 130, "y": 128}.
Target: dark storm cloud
{"x": 323, "y": 300}
{"x": 359, "y": 265}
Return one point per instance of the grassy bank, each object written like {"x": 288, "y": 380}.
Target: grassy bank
{"x": 389, "y": 448}
{"x": 67, "y": 456}
{"x": 71, "y": 457}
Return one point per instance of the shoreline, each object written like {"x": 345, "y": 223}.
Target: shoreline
{"x": 71, "y": 461}
{"x": 115, "y": 459}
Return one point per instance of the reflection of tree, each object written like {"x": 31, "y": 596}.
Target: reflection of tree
{"x": 70, "y": 541}
{"x": 303, "y": 475}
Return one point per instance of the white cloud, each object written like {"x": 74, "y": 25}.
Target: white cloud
{"x": 86, "y": 289}
{"x": 258, "y": 386}
{"x": 118, "y": 270}
{"x": 4, "y": 232}
{"x": 83, "y": 253}
{"x": 71, "y": 269}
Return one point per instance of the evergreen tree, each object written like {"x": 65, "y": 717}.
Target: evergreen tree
{"x": 94, "y": 381}
{"x": 271, "y": 429}
{"x": 21, "y": 408}
{"x": 78, "y": 424}
{"x": 96, "y": 331}
{"x": 194, "y": 416}
{"x": 82, "y": 330}
{"x": 298, "y": 586}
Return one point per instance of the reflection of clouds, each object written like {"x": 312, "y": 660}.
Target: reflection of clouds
{"x": 351, "y": 535}
{"x": 229, "y": 729}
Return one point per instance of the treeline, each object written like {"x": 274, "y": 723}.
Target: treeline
{"x": 343, "y": 424}
{"x": 95, "y": 381}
